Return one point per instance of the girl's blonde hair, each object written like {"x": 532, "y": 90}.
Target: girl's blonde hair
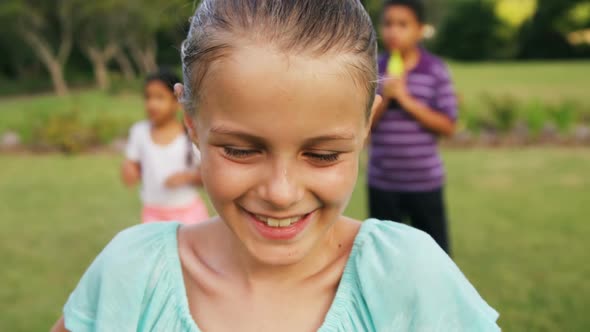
{"x": 313, "y": 28}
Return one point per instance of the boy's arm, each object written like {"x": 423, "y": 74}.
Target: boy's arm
{"x": 441, "y": 118}
{"x": 130, "y": 173}
{"x": 439, "y": 121}
{"x": 428, "y": 117}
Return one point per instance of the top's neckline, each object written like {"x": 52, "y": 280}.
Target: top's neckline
{"x": 341, "y": 298}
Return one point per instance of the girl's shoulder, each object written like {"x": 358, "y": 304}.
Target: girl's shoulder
{"x": 407, "y": 282}
{"x": 134, "y": 266}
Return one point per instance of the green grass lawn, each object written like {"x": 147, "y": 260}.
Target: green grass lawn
{"x": 546, "y": 81}
{"x": 519, "y": 228}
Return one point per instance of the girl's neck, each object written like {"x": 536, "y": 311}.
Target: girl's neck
{"x": 170, "y": 124}
{"x": 254, "y": 273}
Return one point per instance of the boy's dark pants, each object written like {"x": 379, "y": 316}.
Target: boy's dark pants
{"x": 426, "y": 211}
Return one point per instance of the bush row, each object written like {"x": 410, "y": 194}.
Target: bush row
{"x": 529, "y": 121}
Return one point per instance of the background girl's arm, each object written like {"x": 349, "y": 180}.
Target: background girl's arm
{"x": 59, "y": 326}
{"x": 191, "y": 177}
{"x": 130, "y": 173}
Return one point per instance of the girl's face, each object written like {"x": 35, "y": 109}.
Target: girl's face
{"x": 160, "y": 103}
{"x": 280, "y": 139}
{"x": 400, "y": 28}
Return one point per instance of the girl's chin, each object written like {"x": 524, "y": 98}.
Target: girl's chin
{"x": 282, "y": 256}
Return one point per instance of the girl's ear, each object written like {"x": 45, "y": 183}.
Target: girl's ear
{"x": 179, "y": 92}
{"x": 189, "y": 122}
{"x": 376, "y": 105}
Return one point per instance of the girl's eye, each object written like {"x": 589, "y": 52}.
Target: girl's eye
{"x": 238, "y": 153}
{"x": 324, "y": 157}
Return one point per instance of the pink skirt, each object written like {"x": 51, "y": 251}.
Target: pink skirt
{"x": 190, "y": 214}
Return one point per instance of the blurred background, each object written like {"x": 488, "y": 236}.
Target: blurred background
{"x": 71, "y": 76}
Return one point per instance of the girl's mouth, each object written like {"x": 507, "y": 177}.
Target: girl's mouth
{"x": 283, "y": 228}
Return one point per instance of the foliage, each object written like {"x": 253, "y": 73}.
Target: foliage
{"x": 472, "y": 31}
{"x": 563, "y": 116}
{"x": 64, "y": 131}
{"x": 503, "y": 111}
{"x": 535, "y": 117}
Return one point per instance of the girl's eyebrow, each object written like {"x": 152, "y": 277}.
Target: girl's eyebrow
{"x": 222, "y": 130}
{"x": 342, "y": 136}
{"x": 336, "y": 136}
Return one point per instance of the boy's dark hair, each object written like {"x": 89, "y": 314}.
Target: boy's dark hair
{"x": 415, "y": 5}
{"x": 165, "y": 76}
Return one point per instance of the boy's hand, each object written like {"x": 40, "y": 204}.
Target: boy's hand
{"x": 395, "y": 88}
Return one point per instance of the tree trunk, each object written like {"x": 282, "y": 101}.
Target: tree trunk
{"x": 144, "y": 57}
{"x": 99, "y": 60}
{"x": 102, "y": 75}
{"x": 151, "y": 63}
{"x": 124, "y": 64}
{"x": 52, "y": 63}
{"x": 57, "y": 78}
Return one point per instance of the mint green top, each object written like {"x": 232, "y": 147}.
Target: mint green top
{"x": 396, "y": 279}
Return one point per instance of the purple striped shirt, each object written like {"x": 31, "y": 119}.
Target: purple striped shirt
{"x": 403, "y": 154}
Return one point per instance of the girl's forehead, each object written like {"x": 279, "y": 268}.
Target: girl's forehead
{"x": 269, "y": 91}
{"x": 267, "y": 73}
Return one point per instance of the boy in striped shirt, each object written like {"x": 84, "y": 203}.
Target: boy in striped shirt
{"x": 406, "y": 174}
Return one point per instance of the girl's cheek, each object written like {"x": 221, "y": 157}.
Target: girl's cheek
{"x": 224, "y": 178}
{"x": 335, "y": 184}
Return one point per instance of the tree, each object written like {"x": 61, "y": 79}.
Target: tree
{"x": 149, "y": 17}
{"x": 544, "y": 36}
{"x": 47, "y": 28}
{"x": 472, "y": 31}
{"x": 99, "y": 38}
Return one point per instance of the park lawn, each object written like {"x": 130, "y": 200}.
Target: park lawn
{"x": 551, "y": 82}
{"x": 519, "y": 230}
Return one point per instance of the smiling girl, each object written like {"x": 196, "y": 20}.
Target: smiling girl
{"x": 279, "y": 96}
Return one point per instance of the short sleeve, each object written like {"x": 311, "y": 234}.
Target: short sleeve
{"x": 410, "y": 284}
{"x": 133, "y": 148}
{"x": 109, "y": 294}
{"x": 446, "y": 98}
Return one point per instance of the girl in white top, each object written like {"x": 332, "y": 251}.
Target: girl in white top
{"x": 161, "y": 156}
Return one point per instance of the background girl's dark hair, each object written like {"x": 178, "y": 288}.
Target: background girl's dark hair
{"x": 168, "y": 77}
{"x": 332, "y": 28}
{"x": 415, "y": 5}
{"x": 165, "y": 76}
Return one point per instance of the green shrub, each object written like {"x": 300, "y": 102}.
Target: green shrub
{"x": 64, "y": 131}
{"x": 535, "y": 117}
{"x": 107, "y": 128}
{"x": 503, "y": 111}
{"x": 475, "y": 121}
{"x": 563, "y": 116}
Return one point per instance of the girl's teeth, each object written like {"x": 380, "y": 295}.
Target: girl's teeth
{"x": 272, "y": 222}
